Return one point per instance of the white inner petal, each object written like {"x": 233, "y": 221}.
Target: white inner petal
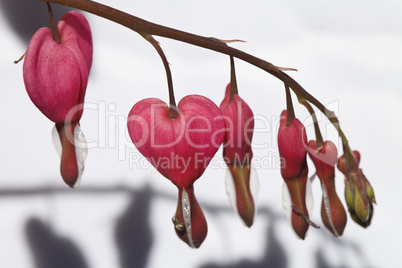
{"x": 309, "y": 198}
{"x": 186, "y": 208}
{"x": 81, "y": 152}
{"x": 231, "y": 190}
{"x": 287, "y": 204}
{"x": 56, "y": 140}
{"x": 327, "y": 207}
{"x": 254, "y": 187}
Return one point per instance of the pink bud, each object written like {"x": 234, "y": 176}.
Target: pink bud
{"x": 56, "y": 75}
{"x": 342, "y": 162}
{"x": 292, "y": 142}
{"x": 180, "y": 148}
{"x": 239, "y": 121}
{"x": 333, "y": 213}
{"x": 324, "y": 158}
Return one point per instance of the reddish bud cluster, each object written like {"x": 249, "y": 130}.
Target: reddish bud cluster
{"x": 359, "y": 194}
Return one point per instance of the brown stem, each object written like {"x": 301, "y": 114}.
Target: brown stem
{"x": 289, "y": 106}
{"x": 233, "y": 82}
{"x": 145, "y": 28}
{"x": 173, "y": 113}
{"x": 52, "y": 24}
{"x": 306, "y": 218}
{"x": 20, "y": 59}
{"x": 318, "y": 136}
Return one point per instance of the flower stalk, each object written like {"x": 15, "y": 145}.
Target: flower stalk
{"x": 146, "y": 28}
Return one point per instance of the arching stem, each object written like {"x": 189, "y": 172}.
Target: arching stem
{"x": 318, "y": 136}
{"x": 173, "y": 113}
{"x": 145, "y": 28}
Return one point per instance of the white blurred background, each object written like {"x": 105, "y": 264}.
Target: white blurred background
{"x": 348, "y": 55}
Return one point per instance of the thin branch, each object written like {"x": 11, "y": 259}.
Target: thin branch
{"x": 145, "y": 28}
{"x": 53, "y": 25}
{"x": 290, "y": 115}
{"x": 173, "y": 113}
{"x": 318, "y": 136}
{"x": 233, "y": 81}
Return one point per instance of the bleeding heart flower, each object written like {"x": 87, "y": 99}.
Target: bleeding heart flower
{"x": 359, "y": 193}
{"x": 292, "y": 142}
{"x": 180, "y": 149}
{"x": 56, "y": 77}
{"x": 239, "y": 121}
{"x": 333, "y": 213}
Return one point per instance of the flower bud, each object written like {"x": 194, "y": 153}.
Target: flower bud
{"x": 237, "y": 152}
{"x": 56, "y": 77}
{"x": 333, "y": 213}
{"x": 358, "y": 191}
{"x": 292, "y": 143}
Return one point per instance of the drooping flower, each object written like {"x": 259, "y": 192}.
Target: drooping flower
{"x": 359, "y": 193}
{"x": 237, "y": 152}
{"x": 180, "y": 149}
{"x": 56, "y": 77}
{"x": 333, "y": 213}
{"x": 292, "y": 142}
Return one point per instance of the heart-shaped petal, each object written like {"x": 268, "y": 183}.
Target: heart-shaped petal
{"x": 180, "y": 148}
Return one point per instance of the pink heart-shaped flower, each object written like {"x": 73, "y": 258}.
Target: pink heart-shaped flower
{"x": 180, "y": 149}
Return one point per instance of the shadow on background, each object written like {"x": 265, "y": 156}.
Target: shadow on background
{"x": 50, "y": 250}
{"x": 133, "y": 232}
{"x": 342, "y": 246}
{"x": 27, "y": 16}
{"x": 274, "y": 254}
{"x": 134, "y": 239}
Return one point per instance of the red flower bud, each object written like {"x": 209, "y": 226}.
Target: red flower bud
{"x": 239, "y": 121}
{"x": 333, "y": 213}
{"x": 292, "y": 142}
{"x": 56, "y": 77}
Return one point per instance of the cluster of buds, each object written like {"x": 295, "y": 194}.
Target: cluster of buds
{"x": 359, "y": 194}
{"x": 293, "y": 149}
{"x": 56, "y": 69}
